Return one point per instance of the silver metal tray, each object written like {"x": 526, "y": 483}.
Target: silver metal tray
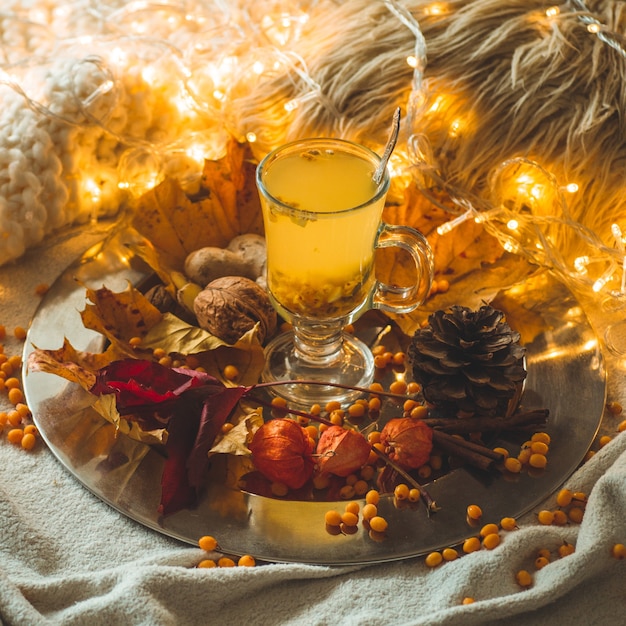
{"x": 565, "y": 375}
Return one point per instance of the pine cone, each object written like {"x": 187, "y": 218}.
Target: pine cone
{"x": 469, "y": 361}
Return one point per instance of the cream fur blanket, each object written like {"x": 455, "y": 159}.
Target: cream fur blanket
{"x": 519, "y": 79}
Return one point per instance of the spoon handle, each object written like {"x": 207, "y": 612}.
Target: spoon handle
{"x": 391, "y": 144}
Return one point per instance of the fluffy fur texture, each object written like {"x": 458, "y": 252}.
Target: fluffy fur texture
{"x": 522, "y": 84}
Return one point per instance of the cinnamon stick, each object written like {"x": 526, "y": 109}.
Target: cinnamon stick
{"x": 473, "y": 453}
{"x": 536, "y": 417}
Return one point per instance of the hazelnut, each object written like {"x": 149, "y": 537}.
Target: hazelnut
{"x": 230, "y": 306}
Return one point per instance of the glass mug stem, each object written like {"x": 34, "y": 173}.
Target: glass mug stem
{"x": 322, "y": 217}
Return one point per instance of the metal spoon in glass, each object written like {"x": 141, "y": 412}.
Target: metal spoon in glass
{"x": 391, "y": 144}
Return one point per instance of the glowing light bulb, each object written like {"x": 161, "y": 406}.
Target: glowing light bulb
{"x": 436, "y": 8}
{"x": 411, "y": 61}
{"x": 196, "y": 152}
{"x": 553, "y": 11}
{"x": 580, "y": 264}
{"x": 251, "y": 137}
{"x": 512, "y": 224}
{"x": 571, "y": 188}
{"x": 258, "y": 68}
{"x": 593, "y": 28}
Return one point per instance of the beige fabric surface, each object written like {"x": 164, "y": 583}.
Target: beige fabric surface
{"x": 67, "y": 558}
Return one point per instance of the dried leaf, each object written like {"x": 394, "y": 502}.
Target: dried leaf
{"x": 237, "y": 439}
{"x": 119, "y": 316}
{"x": 227, "y": 206}
{"x": 71, "y": 364}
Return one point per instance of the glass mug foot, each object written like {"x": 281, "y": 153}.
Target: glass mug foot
{"x": 353, "y": 366}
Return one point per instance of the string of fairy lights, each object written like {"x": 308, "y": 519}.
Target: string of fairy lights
{"x": 195, "y": 58}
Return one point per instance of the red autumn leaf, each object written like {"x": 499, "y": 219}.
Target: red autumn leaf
{"x": 192, "y": 405}
{"x": 342, "y": 452}
{"x": 282, "y": 452}
{"x": 407, "y": 441}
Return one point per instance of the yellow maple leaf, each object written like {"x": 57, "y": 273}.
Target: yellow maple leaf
{"x": 119, "y": 316}
{"x": 227, "y": 205}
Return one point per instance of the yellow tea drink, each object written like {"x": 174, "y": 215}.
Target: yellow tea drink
{"x": 322, "y": 211}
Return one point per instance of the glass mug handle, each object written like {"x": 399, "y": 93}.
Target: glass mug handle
{"x": 392, "y": 298}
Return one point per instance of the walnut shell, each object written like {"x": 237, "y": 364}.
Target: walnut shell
{"x": 230, "y": 306}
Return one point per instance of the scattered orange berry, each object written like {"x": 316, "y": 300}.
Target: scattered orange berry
{"x": 207, "y": 543}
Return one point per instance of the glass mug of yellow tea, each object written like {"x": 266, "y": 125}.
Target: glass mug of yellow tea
{"x": 322, "y": 216}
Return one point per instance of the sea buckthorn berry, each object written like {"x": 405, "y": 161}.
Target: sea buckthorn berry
{"x": 15, "y": 361}
{"x": 523, "y": 578}
{"x": 508, "y": 523}
{"x": 524, "y": 456}
{"x": 474, "y": 512}
{"x": 166, "y": 361}
{"x": 279, "y": 489}
{"x": 373, "y": 437}
{"x": 356, "y": 410}
{"x": 369, "y": 510}
{"x": 372, "y": 497}
{"x": 399, "y": 358}
{"x": 15, "y": 435}
{"x": 361, "y": 487}
{"x": 225, "y": 561}
{"x": 347, "y": 492}
{"x": 409, "y": 405}
{"x": 333, "y": 405}
{"x": 22, "y": 409}
{"x": 487, "y": 529}
{"x": 618, "y": 551}
{"x": 614, "y": 407}
{"x": 564, "y": 497}
{"x": 401, "y": 492}
{"x": 332, "y": 518}
{"x": 566, "y": 549}
{"x": 374, "y": 405}
{"x": 621, "y": 427}
{"x": 538, "y": 461}
{"x": 472, "y": 544}
{"x": 419, "y": 412}
{"x": 246, "y": 560}
{"x": 541, "y": 436}
{"x": 159, "y": 353}
{"x": 433, "y": 559}
{"x": 398, "y": 387}
{"x": 353, "y": 507}
{"x": 413, "y": 387}
{"x": 4, "y": 418}
{"x": 3, "y": 331}
{"x": 604, "y": 440}
{"x": 579, "y": 496}
{"x": 491, "y": 541}
{"x": 321, "y": 481}
{"x": 560, "y": 518}
{"x": 19, "y": 332}
{"x": 375, "y": 387}
{"x": 539, "y": 447}
{"x": 513, "y": 465}
{"x": 12, "y": 383}
{"x": 378, "y": 524}
{"x": 424, "y": 471}
{"x": 449, "y": 554}
{"x": 14, "y": 418}
{"x": 30, "y": 429}
{"x": 207, "y": 543}
{"x": 28, "y": 441}
{"x": 231, "y": 372}
{"x": 336, "y": 417}
{"x": 541, "y": 562}
{"x": 369, "y": 471}
{"x": 544, "y": 552}
{"x": 349, "y": 519}
{"x": 16, "y": 396}
{"x": 503, "y": 451}
{"x": 468, "y": 600}
{"x": 135, "y": 342}
{"x": 379, "y": 349}
{"x": 414, "y": 494}
{"x": 576, "y": 514}
{"x": 227, "y": 427}
{"x": 207, "y": 564}
{"x": 545, "y": 517}
{"x": 435, "y": 461}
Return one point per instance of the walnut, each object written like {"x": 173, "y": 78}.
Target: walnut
{"x": 230, "y": 306}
